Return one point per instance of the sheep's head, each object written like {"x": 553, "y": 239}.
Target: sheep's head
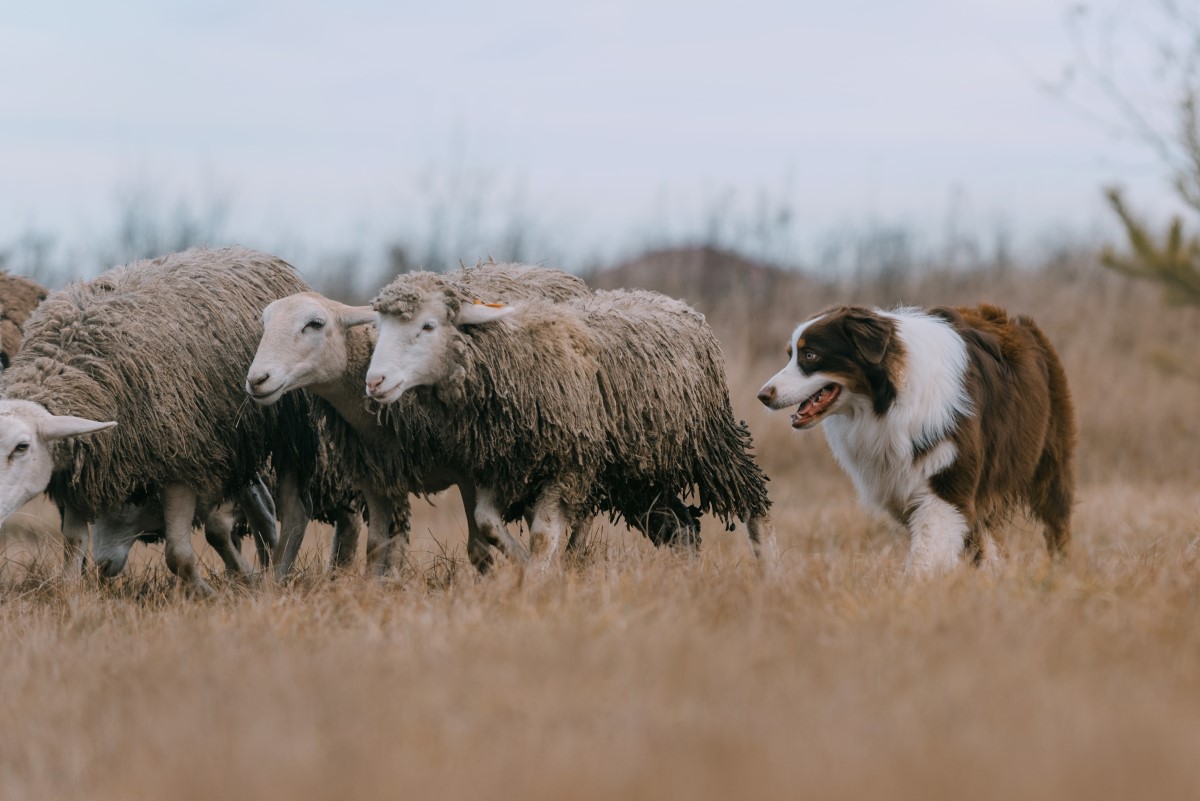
{"x": 420, "y": 317}
{"x": 303, "y": 344}
{"x": 26, "y": 463}
{"x": 117, "y": 529}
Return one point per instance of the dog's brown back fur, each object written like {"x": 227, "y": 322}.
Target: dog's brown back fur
{"x": 1017, "y": 448}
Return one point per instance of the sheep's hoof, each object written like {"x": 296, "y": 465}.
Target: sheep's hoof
{"x": 197, "y": 588}
{"x": 244, "y": 578}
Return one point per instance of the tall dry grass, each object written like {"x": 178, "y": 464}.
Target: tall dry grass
{"x": 643, "y": 674}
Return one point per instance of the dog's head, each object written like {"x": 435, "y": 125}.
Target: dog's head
{"x": 841, "y": 352}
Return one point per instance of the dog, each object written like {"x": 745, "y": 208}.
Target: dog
{"x": 948, "y": 419}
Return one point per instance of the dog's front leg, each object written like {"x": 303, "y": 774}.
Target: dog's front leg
{"x": 938, "y": 531}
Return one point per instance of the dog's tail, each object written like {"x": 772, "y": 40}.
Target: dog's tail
{"x": 1053, "y": 490}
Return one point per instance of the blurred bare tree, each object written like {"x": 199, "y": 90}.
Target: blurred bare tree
{"x": 1097, "y": 83}
{"x": 31, "y": 254}
{"x": 466, "y": 213}
{"x": 148, "y": 225}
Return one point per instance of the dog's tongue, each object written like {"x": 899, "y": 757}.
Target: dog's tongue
{"x": 803, "y": 414}
{"x": 813, "y": 406}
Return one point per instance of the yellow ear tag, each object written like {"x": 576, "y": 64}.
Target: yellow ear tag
{"x": 479, "y": 302}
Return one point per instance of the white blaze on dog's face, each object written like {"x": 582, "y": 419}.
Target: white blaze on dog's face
{"x": 415, "y": 351}
{"x": 26, "y": 464}
{"x": 303, "y": 344}
{"x": 837, "y": 354}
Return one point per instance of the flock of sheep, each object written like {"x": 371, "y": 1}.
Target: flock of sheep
{"x": 215, "y": 388}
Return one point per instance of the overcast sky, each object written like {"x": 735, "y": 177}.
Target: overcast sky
{"x": 316, "y": 119}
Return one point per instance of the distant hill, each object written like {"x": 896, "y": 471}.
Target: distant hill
{"x": 704, "y": 276}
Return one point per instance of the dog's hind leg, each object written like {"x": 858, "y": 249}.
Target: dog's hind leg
{"x": 1051, "y": 498}
{"x": 1052, "y": 491}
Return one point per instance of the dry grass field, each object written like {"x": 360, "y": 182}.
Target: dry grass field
{"x": 641, "y": 674}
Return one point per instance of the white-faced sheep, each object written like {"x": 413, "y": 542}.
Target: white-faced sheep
{"x": 160, "y": 347}
{"x": 318, "y": 344}
{"x": 614, "y": 401}
{"x": 117, "y": 529}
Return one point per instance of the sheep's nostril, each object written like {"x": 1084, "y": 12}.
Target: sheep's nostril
{"x": 260, "y": 379}
{"x": 766, "y": 394}
{"x": 373, "y": 384}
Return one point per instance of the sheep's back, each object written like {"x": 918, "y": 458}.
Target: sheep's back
{"x": 19, "y": 296}
{"x": 671, "y": 427}
{"x": 511, "y": 282}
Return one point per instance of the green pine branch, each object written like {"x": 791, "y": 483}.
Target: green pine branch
{"x": 1174, "y": 263}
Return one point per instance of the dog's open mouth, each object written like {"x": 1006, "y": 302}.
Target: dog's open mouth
{"x": 815, "y": 405}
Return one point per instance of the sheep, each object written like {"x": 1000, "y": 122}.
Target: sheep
{"x": 117, "y": 529}
{"x": 19, "y": 296}
{"x": 315, "y": 343}
{"x": 224, "y": 524}
{"x": 614, "y": 401}
{"x": 160, "y": 347}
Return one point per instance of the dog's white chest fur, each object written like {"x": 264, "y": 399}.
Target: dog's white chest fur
{"x": 878, "y": 450}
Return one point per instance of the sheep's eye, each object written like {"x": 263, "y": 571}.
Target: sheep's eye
{"x": 315, "y": 325}
{"x": 809, "y": 355}
{"x": 21, "y": 448}
{"x": 427, "y": 327}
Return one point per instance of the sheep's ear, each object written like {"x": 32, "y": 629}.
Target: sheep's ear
{"x": 63, "y": 426}
{"x": 350, "y": 316}
{"x": 479, "y": 313}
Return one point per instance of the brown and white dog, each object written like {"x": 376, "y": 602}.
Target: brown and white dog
{"x": 948, "y": 419}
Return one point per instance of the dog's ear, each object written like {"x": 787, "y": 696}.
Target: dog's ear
{"x": 947, "y": 313}
{"x": 869, "y": 333}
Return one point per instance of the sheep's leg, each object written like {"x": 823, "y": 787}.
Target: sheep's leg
{"x": 579, "y": 534}
{"x": 669, "y": 522}
{"x": 75, "y": 543}
{"x": 387, "y": 534}
{"x": 259, "y": 509}
{"x": 477, "y": 547}
{"x": 489, "y": 516}
{"x": 347, "y": 528}
{"x": 179, "y": 509}
{"x": 549, "y": 522}
{"x": 762, "y": 538}
{"x": 218, "y": 531}
{"x": 378, "y": 533}
{"x": 294, "y": 520}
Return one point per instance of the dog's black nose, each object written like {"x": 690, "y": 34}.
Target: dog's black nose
{"x": 766, "y": 395}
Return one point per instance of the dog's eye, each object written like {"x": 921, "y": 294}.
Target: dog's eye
{"x": 809, "y": 355}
